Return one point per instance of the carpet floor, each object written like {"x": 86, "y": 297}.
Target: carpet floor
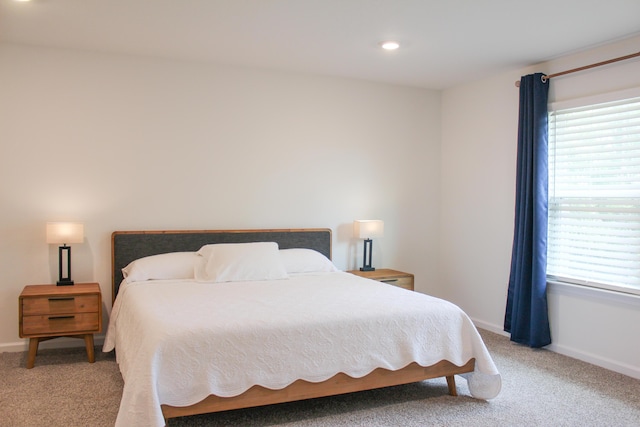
{"x": 540, "y": 388}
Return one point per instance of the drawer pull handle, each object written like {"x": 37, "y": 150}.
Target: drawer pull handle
{"x": 60, "y": 317}
{"x": 388, "y": 280}
{"x": 62, "y": 299}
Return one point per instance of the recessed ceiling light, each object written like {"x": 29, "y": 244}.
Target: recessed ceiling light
{"x": 390, "y": 45}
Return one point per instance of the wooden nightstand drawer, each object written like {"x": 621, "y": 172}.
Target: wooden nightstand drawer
{"x": 401, "y": 282}
{"x": 386, "y": 275}
{"x": 60, "y": 324}
{"x": 60, "y": 304}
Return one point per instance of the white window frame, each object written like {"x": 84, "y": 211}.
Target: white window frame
{"x": 582, "y": 102}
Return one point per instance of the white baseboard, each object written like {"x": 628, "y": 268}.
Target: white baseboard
{"x": 496, "y": 329}
{"x": 594, "y": 359}
{"x": 64, "y": 342}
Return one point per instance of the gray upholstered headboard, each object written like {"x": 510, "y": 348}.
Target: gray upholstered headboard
{"x": 127, "y": 246}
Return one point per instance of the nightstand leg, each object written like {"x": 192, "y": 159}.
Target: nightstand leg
{"x": 33, "y": 350}
{"x": 88, "y": 342}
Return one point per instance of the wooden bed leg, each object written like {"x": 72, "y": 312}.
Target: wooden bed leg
{"x": 451, "y": 382}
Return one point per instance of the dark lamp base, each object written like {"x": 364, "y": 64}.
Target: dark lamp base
{"x": 64, "y": 282}
{"x": 367, "y": 269}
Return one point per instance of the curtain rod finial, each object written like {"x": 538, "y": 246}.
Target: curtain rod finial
{"x": 517, "y": 83}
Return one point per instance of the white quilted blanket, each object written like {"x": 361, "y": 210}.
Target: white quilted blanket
{"x": 179, "y": 341}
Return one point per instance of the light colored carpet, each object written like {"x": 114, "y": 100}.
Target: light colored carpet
{"x": 540, "y": 388}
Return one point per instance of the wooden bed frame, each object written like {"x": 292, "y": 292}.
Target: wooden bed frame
{"x": 130, "y": 245}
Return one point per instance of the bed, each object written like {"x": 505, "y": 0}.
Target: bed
{"x": 279, "y": 325}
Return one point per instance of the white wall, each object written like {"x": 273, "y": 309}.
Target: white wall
{"x": 137, "y": 143}
{"x": 479, "y": 138}
{"x": 124, "y": 143}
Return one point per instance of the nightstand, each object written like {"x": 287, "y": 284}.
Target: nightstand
{"x": 50, "y": 311}
{"x": 386, "y": 275}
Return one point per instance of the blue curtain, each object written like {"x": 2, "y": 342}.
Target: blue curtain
{"x": 526, "y": 315}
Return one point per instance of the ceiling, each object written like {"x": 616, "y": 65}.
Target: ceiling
{"x": 443, "y": 42}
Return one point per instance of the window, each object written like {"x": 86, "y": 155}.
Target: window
{"x": 594, "y": 194}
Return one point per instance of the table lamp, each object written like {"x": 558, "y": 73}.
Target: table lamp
{"x": 366, "y": 229}
{"x": 64, "y": 232}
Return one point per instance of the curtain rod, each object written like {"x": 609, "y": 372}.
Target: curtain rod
{"x": 586, "y": 67}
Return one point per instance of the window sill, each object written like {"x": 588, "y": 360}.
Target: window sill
{"x": 595, "y": 294}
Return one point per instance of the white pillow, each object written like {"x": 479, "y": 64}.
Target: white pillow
{"x": 232, "y": 262}
{"x": 173, "y": 265}
{"x": 298, "y": 260}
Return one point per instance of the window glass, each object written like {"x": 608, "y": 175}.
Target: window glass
{"x": 594, "y": 195}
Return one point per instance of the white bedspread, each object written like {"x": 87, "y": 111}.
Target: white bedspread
{"x": 178, "y": 342}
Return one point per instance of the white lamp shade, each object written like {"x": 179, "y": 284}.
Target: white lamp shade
{"x": 65, "y": 232}
{"x": 367, "y": 228}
